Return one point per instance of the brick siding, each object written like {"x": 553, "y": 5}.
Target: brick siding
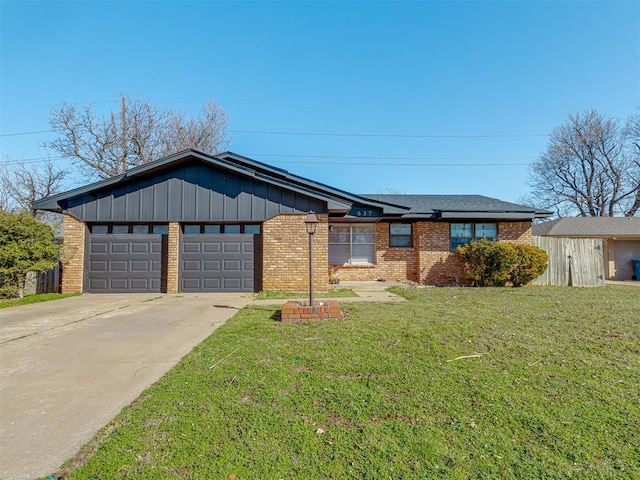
{"x": 429, "y": 261}
{"x": 285, "y": 254}
{"x": 392, "y": 263}
{"x": 72, "y": 275}
{"x": 173, "y": 258}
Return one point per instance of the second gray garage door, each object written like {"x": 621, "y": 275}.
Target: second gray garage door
{"x": 217, "y": 263}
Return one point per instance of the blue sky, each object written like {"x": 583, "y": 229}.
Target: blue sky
{"x": 478, "y": 84}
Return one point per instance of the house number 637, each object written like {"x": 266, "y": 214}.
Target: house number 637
{"x": 364, "y": 213}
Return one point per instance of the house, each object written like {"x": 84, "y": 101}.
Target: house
{"x": 193, "y": 222}
{"x": 619, "y": 238}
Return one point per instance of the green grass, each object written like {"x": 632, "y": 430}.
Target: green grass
{"x": 332, "y": 293}
{"x": 36, "y": 298}
{"x": 555, "y": 395}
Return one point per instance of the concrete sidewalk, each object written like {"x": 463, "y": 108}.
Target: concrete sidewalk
{"x": 365, "y": 291}
{"x": 67, "y": 367}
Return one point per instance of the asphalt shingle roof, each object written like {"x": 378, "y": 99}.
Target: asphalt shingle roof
{"x": 428, "y": 204}
{"x": 589, "y": 227}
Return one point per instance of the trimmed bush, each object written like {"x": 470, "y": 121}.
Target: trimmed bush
{"x": 494, "y": 264}
{"x": 531, "y": 263}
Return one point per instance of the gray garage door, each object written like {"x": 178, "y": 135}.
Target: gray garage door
{"x": 217, "y": 263}
{"x": 125, "y": 263}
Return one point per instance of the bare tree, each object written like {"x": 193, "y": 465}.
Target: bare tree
{"x": 586, "y": 168}
{"x": 27, "y": 182}
{"x": 137, "y": 134}
{"x": 633, "y": 136}
{"x": 24, "y": 183}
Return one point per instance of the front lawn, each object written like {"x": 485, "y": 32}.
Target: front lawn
{"x": 35, "y": 298}
{"x": 455, "y": 383}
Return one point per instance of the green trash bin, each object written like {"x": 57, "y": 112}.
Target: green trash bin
{"x": 636, "y": 269}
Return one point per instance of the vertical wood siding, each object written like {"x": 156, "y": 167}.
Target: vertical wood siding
{"x": 192, "y": 192}
{"x": 577, "y": 262}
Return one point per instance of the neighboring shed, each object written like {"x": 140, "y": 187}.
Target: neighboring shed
{"x": 617, "y": 242}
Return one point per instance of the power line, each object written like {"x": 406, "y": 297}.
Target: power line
{"x": 345, "y": 163}
{"x": 25, "y": 133}
{"x": 392, "y": 135}
{"x": 348, "y": 157}
{"x": 337, "y": 134}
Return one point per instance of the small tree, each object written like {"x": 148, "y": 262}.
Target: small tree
{"x": 26, "y": 245}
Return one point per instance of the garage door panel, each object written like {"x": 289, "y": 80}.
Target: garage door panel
{"x": 212, "y": 247}
{"x": 99, "y": 247}
{"x": 119, "y": 247}
{"x": 212, "y": 265}
{"x": 211, "y": 284}
{"x": 119, "y": 266}
{"x": 139, "y": 247}
{"x": 98, "y": 266}
{"x": 191, "y": 247}
{"x": 140, "y": 265}
{"x": 125, "y": 263}
{"x": 220, "y": 262}
{"x": 191, "y": 265}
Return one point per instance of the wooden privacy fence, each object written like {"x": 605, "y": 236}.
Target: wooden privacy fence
{"x": 47, "y": 282}
{"x": 577, "y": 262}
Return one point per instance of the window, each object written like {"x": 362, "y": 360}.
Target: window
{"x": 252, "y": 229}
{"x": 232, "y": 229}
{"x": 160, "y": 229}
{"x": 100, "y": 229}
{"x": 463, "y": 233}
{"x": 191, "y": 229}
{"x": 120, "y": 229}
{"x": 140, "y": 229}
{"x": 212, "y": 229}
{"x": 400, "y": 235}
{"x": 352, "y": 244}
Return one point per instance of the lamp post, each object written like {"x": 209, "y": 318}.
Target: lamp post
{"x": 311, "y": 222}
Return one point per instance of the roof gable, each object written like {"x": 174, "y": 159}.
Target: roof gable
{"x": 335, "y": 199}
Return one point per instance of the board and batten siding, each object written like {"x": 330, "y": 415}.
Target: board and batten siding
{"x": 193, "y": 192}
{"x": 577, "y": 262}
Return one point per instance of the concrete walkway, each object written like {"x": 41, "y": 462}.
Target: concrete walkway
{"x": 365, "y": 291}
{"x": 67, "y": 367}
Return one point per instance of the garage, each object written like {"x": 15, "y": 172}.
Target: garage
{"x": 623, "y": 253}
{"x": 124, "y": 263}
{"x": 217, "y": 263}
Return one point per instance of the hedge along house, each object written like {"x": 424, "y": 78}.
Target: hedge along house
{"x": 192, "y": 222}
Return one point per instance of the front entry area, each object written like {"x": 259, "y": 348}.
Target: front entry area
{"x": 217, "y": 263}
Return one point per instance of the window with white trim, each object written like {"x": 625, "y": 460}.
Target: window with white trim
{"x": 463, "y": 233}
{"x": 352, "y": 244}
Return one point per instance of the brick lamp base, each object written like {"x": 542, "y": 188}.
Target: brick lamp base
{"x": 295, "y": 312}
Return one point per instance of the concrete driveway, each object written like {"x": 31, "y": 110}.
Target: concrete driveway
{"x": 67, "y": 367}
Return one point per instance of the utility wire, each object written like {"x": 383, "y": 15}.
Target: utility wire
{"x": 391, "y": 135}
{"x": 337, "y": 134}
{"x": 25, "y": 133}
{"x": 329, "y": 164}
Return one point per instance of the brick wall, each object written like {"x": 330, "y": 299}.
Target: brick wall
{"x": 173, "y": 257}
{"x": 516, "y": 232}
{"x": 392, "y": 263}
{"x": 285, "y": 254}
{"x": 429, "y": 261}
{"x": 72, "y": 274}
